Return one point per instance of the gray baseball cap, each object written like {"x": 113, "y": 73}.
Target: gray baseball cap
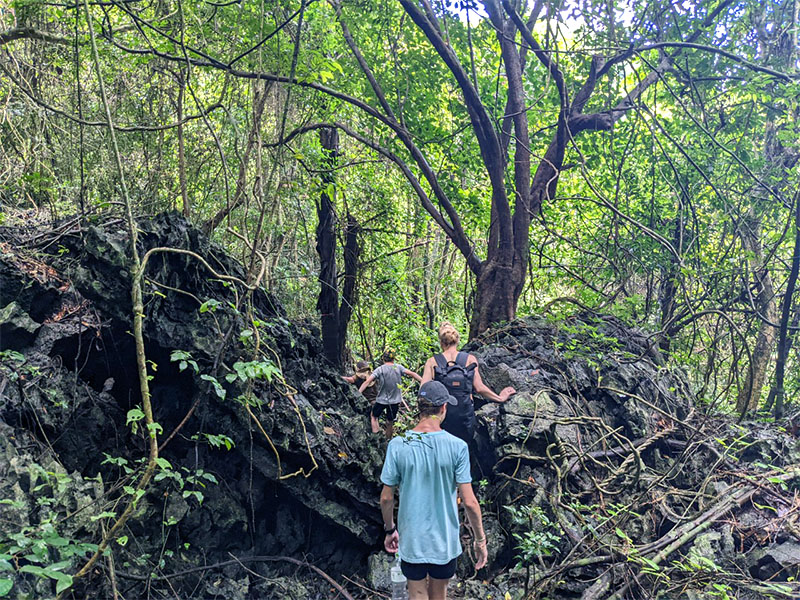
{"x": 435, "y": 393}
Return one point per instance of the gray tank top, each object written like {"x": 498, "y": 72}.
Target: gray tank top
{"x": 388, "y": 378}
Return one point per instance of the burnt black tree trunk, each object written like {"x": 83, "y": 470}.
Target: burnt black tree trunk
{"x": 328, "y": 300}
{"x": 349, "y": 289}
{"x": 334, "y": 318}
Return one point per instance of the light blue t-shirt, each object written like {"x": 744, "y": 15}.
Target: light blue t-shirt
{"x": 427, "y": 467}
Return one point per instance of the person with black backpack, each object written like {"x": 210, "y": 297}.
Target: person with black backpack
{"x": 459, "y": 373}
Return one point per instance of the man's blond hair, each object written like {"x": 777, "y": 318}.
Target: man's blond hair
{"x": 448, "y": 335}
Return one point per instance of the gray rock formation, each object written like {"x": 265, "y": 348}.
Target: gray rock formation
{"x": 600, "y": 462}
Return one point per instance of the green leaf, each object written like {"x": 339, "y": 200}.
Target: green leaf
{"x": 57, "y": 541}
{"x": 63, "y": 582}
{"x": 5, "y": 586}
{"x": 122, "y": 540}
{"x": 177, "y": 355}
{"x": 59, "y": 566}
{"x": 33, "y": 569}
{"x": 765, "y": 507}
{"x": 12, "y": 355}
{"x": 197, "y": 495}
{"x": 210, "y": 305}
{"x": 134, "y": 415}
{"x": 218, "y": 389}
{"x": 650, "y": 563}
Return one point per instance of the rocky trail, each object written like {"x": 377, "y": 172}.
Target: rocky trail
{"x": 603, "y": 478}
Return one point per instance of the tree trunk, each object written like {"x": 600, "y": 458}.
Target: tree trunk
{"x": 783, "y": 339}
{"x": 349, "y": 289}
{"x": 186, "y": 207}
{"x": 787, "y": 347}
{"x": 750, "y": 393}
{"x": 669, "y": 285}
{"x": 495, "y": 297}
{"x": 784, "y": 56}
{"x": 328, "y": 300}
{"x": 502, "y": 277}
{"x": 432, "y": 264}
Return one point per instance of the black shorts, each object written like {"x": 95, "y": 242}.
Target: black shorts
{"x": 419, "y": 571}
{"x": 389, "y": 409}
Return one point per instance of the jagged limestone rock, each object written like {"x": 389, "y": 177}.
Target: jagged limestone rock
{"x": 17, "y": 329}
{"x": 296, "y": 467}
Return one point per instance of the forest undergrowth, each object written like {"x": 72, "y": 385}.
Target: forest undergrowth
{"x": 603, "y": 478}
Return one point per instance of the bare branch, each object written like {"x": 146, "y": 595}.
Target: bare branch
{"x": 730, "y": 55}
{"x": 544, "y": 57}
{"x": 29, "y": 33}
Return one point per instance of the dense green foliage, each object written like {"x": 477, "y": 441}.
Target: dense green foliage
{"x": 674, "y": 218}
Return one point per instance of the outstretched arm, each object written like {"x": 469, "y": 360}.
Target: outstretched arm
{"x": 410, "y": 373}
{"x": 349, "y": 378}
{"x": 366, "y": 383}
{"x": 391, "y": 541}
{"x": 480, "y": 388}
{"x": 473, "y": 509}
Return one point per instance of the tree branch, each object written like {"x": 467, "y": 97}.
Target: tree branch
{"x": 29, "y": 33}
{"x": 730, "y": 55}
{"x": 481, "y": 122}
{"x": 124, "y": 128}
{"x": 544, "y": 57}
{"x": 454, "y": 231}
{"x": 488, "y": 142}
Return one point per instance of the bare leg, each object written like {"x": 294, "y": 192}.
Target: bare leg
{"x": 418, "y": 590}
{"x": 389, "y": 430}
{"x": 437, "y": 588}
{"x": 375, "y": 425}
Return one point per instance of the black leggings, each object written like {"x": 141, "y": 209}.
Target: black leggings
{"x": 461, "y": 422}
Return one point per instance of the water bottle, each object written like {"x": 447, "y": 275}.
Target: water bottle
{"x": 399, "y": 587}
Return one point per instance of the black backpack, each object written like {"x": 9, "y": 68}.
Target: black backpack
{"x": 455, "y": 375}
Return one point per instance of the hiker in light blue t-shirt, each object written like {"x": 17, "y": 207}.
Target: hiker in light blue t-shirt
{"x": 431, "y": 469}
{"x": 388, "y": 377}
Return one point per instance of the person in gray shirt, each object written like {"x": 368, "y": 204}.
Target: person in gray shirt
{"x": 388, "y": 377}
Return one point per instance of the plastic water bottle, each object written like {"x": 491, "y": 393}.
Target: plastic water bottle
{"x": 399, "y": 587}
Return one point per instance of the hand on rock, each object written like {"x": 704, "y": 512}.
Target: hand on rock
{"x": 506, "y": 393}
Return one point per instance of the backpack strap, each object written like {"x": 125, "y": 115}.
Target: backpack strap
{"x": 441, "y": 362}
{"x": 468, "y": 369}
